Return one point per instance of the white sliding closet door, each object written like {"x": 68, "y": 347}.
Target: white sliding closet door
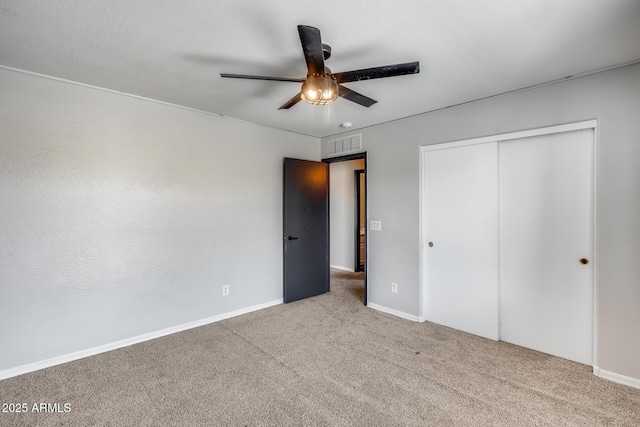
{"x": 546, "y": 295}
{"x": 460, "y": 221}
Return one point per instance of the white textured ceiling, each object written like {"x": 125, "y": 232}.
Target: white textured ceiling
{"x": 174, "y": 51}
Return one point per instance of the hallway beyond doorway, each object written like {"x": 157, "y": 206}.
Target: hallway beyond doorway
{"x": 353, "y": 282}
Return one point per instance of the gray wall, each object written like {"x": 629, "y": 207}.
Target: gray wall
{"x": 342, "y": 213}
{"x": 121, "y": 217}
{"x": 613, "y": 98}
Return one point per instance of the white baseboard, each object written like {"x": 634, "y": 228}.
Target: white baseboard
{"x": 616, "y": 378}
{"x": 339, "y": 267}
{"x": 30, "y": 367}
{"x": 387, "y": 310}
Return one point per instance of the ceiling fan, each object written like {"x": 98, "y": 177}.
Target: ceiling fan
{"x": 321, "y": 86}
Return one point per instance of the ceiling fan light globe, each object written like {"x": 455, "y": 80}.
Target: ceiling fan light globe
{"x": 319, "y": 90}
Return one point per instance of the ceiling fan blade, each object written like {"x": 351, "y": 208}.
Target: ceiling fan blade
{"x": 245, "y": 76}
{"x": 312, "y": 48}
{"x": 290, "y": 103}
{"x": 378, "y": 72}
{"x": 356, "y": 97}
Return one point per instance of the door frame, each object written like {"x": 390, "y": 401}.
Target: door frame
{"x": 588, "y": 124}
{"x": 358, "y": 175}
{"x": 356, "y": 156}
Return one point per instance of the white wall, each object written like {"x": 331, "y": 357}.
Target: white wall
{"x": 121, "y": 217}
{"x": 342, "y": 213}
{"x": 613, "y": 98}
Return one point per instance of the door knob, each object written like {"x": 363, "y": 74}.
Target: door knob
{"x": 584, "y": 261}
{"x": 430, "y": 244}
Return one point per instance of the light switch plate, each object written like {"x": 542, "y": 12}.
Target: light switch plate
{"x": 375, "y": 225}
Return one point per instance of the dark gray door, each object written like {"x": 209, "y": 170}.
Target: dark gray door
{"x": 306, "y": 229}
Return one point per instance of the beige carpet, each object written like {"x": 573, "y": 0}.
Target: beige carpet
{"x": 325, "y": 361}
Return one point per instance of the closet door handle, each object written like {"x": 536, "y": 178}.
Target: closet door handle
{"x": 292, "y": 238}
{"x": 584, "y": 261}
{"x": 430, "y": 244}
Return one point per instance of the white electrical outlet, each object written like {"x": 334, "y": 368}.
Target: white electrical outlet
{"x": 225, "y": 290}
{"x": 375, "y": 225}
{"x": 394, "y": 287}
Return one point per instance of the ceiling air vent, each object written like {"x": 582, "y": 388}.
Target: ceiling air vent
{"x": 348, "y": 144}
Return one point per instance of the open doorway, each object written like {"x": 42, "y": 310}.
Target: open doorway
{"x": 347, "y": 223}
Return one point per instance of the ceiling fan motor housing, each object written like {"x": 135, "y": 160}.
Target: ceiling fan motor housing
{"x": 326, "y": 51}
